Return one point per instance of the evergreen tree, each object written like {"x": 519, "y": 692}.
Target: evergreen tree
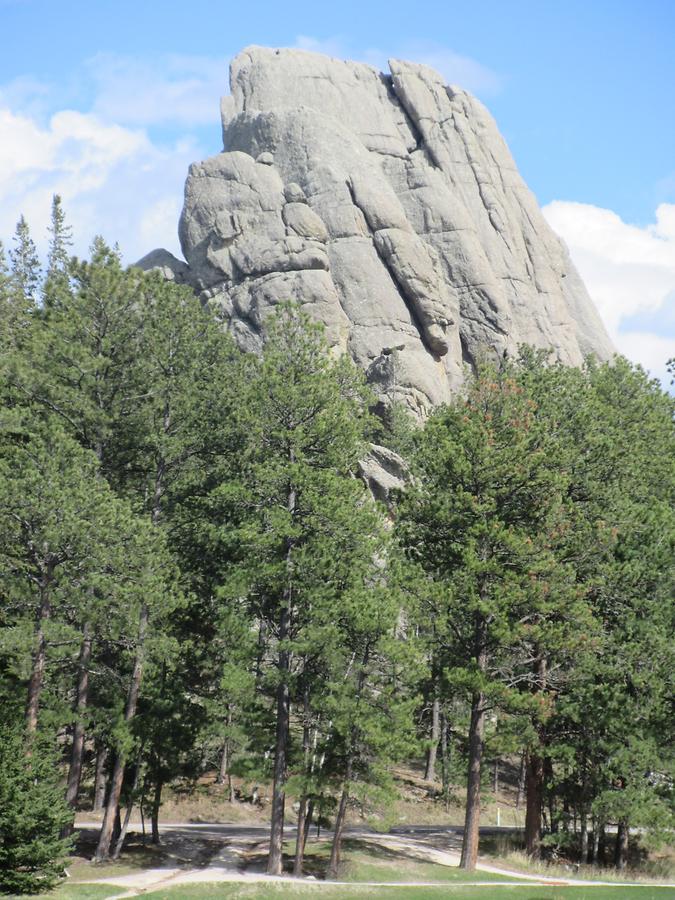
{"x": 60, "y": 240}
{"x": 60, "y": 243}
{"x": 25, "y": 267}
{"x": 297, "y": 514}
{"x": 32, "y": 812}
{"x": 614, "y": 431}
{"x": 479, "y": 520}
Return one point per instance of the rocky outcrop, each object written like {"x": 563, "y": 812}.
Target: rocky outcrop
{"x": 389, "y": 206}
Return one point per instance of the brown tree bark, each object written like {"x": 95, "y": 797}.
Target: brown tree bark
{"x": 301, "y": 837}
{"x": 81, "y": 698}
{"x": 336, "y": 846}
{"x": 472, "y": 817}
{"x": 583, "y": 827}
{"x": 621, "y": 845}
{"x": 37, "y": 672}
{"x": 595, "y": 844}
{"x": 119, "y": 842}
{"x": 549, "y": 793}
{"x": 301, "y": 834}
{"x": 432, "y": 750}
{"x": 521, "y": 780}
{"x": 156, "y": 805}
{"x": 476, "y": 746}
{"x": 534, "y": 778}
{"x": 224, "y": 761}
{"x": 100, "y": 778}
{"x": 112, "y": 806}
{"x": 445, "y": 761}
{"x": 308, "y": 819}
{"x": 275, "y": 860}
{"x": 534, "y": 793}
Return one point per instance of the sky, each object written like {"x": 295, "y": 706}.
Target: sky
{"x": 107, "y": 103}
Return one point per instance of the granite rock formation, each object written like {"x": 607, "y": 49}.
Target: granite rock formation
{"x": 389, "y": 206}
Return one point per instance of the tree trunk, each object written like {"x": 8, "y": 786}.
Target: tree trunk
{"x": 301, "y": 834}
{"x": 301, "y": 837}
{"x": 430, "y": 770}
{"x": 583, "y": 849}
{"x": 37, "y": 672}
{"x": 156, "y": 804}
{"x": 308, "y": 820}
{"x": 222, "y": 774}
{"x": 621, "y": 845}
{"x": 119, "y": 843}
{"x": 318, "y": 818}
{"x": 112, "y": 806}
{"x": 445, "y": 761}
{"x": 111, "y": 811}
{"x": 275, "y": 860}
{"x": 100, "y": 778}
{"x": 77, "y": 750}
{"x": 117, "y": 826}
{"x": 339, "y": 826}
{"x": 521, "y": 780}
{"x": 550, "y": 794}
{"x": 472, "y": 816}
{"x": 595, "y": 846}
{"x": 534, "y": 779}
{"x": 495, "y": 777}
{"x": 534, "y": 791}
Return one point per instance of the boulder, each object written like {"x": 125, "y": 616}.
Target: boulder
{"x": 389, "y": 206}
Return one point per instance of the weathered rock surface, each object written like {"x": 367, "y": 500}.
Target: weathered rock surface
{"x": 389, "y": 206}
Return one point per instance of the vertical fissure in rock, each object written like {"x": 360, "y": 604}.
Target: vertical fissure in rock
{"x": 409, "y": 303}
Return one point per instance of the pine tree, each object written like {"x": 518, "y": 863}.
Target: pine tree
{"x": 32, "y": 812}
{"x": 614, "y": 431}
{"x": 61, "y": 239}
{"x": 60, "y": 243}
{"x": 295, "y": 511}
{"x": 25, "y": 267}
{"x": 479, "y": 520}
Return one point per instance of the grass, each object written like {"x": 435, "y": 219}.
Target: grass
{"x": 76, "y": 892}
{"x": 274, "y": 892}
{"x": 506, "y": 850}
{"x": 364, "y": 861}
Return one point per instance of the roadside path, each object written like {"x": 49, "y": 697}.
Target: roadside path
{"x": 230, "y": 843}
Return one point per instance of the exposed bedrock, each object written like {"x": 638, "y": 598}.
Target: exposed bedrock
{"x": 387, "y": 205}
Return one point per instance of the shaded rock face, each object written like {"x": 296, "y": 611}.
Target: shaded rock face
{"x": 387, "y": 205}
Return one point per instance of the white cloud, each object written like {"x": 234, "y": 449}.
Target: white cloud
{"x": 113, "y": 180}
{"x": 182, "y": 90}
{"x": 630, "y": 273}
{"x": 121, "y": 165}
{"x": 652, "y": 351}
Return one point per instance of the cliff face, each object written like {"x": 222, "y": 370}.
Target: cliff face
{"x": 390, "y": 207}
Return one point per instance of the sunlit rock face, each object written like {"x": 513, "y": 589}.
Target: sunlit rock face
{"x": 390, "y": 208}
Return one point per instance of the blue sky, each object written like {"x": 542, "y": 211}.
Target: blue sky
{"x": 108, "y": 102}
